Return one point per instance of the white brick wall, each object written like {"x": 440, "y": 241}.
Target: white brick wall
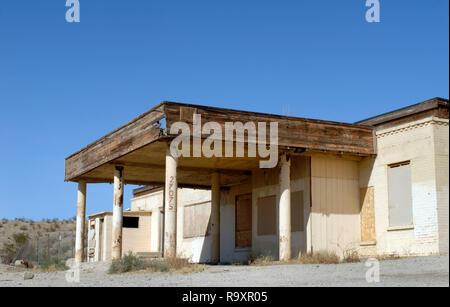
{"x": 441, "y": 145}
{"x": 421, "y": 143}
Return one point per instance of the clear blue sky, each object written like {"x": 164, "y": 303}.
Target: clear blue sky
{"x": 65, "y": 85}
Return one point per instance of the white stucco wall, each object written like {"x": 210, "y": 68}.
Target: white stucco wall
{"x": 197, "y": 249}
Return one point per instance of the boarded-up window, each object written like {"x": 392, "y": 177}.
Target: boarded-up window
{"x": 243, "y": 233}
{"x": 196, "y": 220}
{"x": 400, "y": 195}
{"x": 267, "y": 216}
{"x": 367, "y": 215}
{"x": 297, "y": 212}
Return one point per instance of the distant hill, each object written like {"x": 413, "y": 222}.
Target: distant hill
{"x": 33, "y": 228}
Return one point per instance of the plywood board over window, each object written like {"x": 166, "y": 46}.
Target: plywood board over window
{"x": 243, "y": 228}
{"x": 196, "y": 219}
{"x": 267, "y": 215}
{"x": 400, "y": 194}
{"x": 367, "y": 215}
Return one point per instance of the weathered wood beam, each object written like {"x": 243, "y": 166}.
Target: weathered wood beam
{"x": 161, "y": 167}
{"x": 139, "y": 132}
{"x": 292, "y": 131}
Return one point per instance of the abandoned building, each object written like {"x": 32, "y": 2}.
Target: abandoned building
{"x": 378, "y": 186}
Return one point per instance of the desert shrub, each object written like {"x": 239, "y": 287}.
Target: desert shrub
{"x": 128, "y": 263}
{"x": 132, "y": 263}
{"x": 23, "y": 228}
{"x": 177, "y": 263}
{"x": 157, "y": 266}
{"x": 388, "y": 257}
{"x": 351, "y": 255}
{"x": 261, "y": 260}
{"x": 320, "y": 257}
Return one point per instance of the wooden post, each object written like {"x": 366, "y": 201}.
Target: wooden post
{"x": 117, "y": 213}
{"x": 80, "y": 226}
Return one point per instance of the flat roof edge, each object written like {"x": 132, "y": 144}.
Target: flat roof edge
{"x": 426, "y": 105}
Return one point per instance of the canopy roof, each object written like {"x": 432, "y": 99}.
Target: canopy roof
{"x": 140, "y": 146}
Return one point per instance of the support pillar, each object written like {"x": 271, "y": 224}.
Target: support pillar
{"x": 81, "y": 222}
{"x": 285, "y": 209}
{"x": 215, "y": 217}
{"x": 117, "y": 221}
{"x": 97, "y": 255}
{"x": 170, "y": 212}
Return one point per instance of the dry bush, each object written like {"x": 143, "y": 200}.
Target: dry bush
{"x": 262, "y": 260}
{"x": 177, "y": 263}
{"x": 387, "y": 257}
{"x": 132, "y": 263}
{"x": 128, "y": 263}
{"x": 351, "y": 255}
{"x": 182, "y": 265}
{"x": 320, "y": 257}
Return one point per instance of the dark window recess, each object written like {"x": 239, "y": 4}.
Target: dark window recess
{"x": 130, "y": 222}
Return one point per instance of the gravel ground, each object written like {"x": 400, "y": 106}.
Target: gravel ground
{"x": 419, "y": 272}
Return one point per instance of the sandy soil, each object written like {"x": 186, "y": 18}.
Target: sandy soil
{"x": 421, "y": 271}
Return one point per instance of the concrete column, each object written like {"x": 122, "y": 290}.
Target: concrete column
{"x": 285, "y": 209}
{"x": 97, "y": 255}
{"x": 117, "y": 213}
{"x": 81, "y": 222}
{"x": 170, "y": 212}
{"x": 215, "y": 217}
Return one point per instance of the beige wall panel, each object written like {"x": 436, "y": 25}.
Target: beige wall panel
{"x": 335, "y": 204}
{"x": 137, "y": 240}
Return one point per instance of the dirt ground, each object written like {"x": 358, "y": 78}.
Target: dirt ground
{"x": 417, "y": 272}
